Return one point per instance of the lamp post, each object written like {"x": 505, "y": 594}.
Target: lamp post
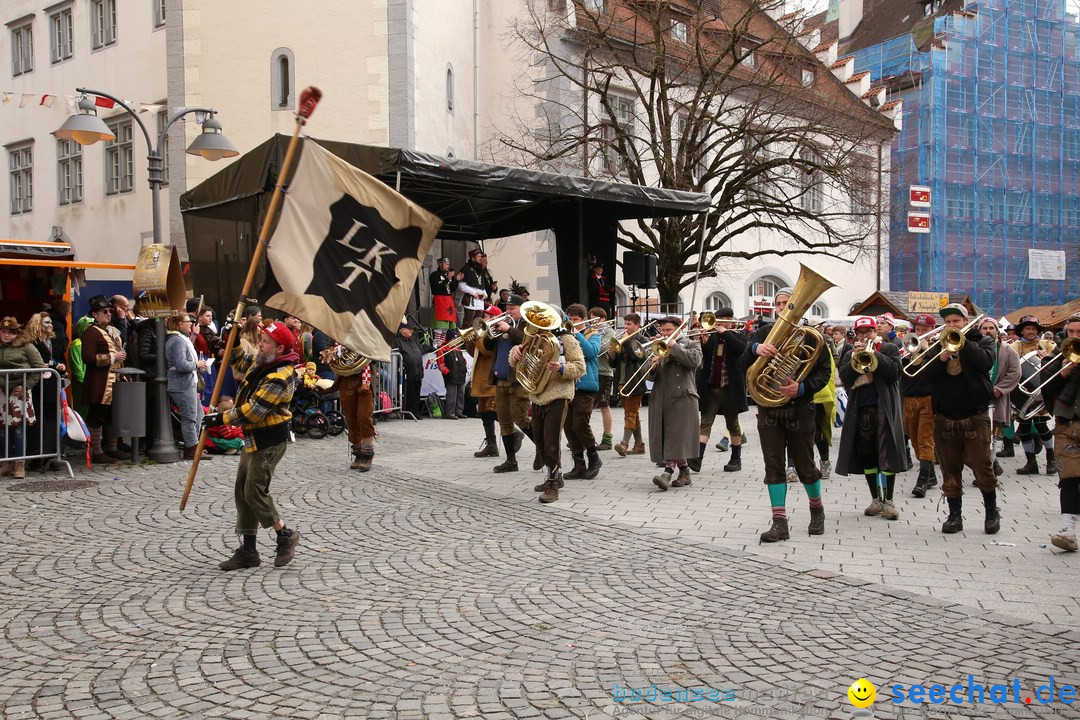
{"x": 86, "y": 128}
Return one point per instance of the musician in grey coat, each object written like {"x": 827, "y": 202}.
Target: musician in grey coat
{"x": 1004, "y": 376}
{"x": 673, "y": 408}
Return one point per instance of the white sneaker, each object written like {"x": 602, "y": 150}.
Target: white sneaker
{"x": 792, "y": 476}
{"x": 874, "y": 508}
{"x": 826, "y": 469}
{"x": 1065, "y": 540}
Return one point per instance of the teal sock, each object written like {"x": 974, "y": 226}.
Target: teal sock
{"x": 778, "y": 498}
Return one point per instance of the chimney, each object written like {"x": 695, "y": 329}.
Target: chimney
{"x": 851, "y": 14}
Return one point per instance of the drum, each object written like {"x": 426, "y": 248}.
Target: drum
{"x": 1027, "y": 405}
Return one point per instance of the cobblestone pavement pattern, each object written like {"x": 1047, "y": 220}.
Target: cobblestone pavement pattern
{"x": 414, "y": 597}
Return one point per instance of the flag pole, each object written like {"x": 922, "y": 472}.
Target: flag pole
{"x": 309, "y": 99}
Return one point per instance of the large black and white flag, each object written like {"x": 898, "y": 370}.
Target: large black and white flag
{"x": 346, "y": 252}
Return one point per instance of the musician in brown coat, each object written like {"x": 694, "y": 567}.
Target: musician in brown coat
{"x": 483, "y": 389}
{"x": 102, "y": 353}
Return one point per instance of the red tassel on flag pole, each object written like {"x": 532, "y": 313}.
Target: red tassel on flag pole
{"x": 102, "y": 102}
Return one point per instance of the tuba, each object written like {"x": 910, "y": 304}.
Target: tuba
{"x": 343, "y": 361}
{"x": 797, "y": 347}
{"x": 539, "y": 347}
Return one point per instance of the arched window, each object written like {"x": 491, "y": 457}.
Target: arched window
{"x": 818, "y": 312}
{"x": 717, "y": 300}
{"x": 282, "y": 80}
{"x": 761, "y": 291}
{"x": 450, "y": 154}
{"x": 449, "y": 88}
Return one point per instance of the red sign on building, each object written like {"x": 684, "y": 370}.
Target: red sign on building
{"x": 918, "y": 222}
{"x": 919, "y": 196}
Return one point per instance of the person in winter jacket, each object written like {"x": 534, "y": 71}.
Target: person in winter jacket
{"x": 453, "y": 368}
{"x": 412, "y": 360}
{"x": 578, "y": 430}
{"x": 183, "y": 380}
{"x": 16, "y": 353}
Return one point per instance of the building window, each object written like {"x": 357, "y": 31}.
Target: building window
{"x": 282, "y": 76}
{"x": 450, "y": 154}
{"x": 69, "y": 177}
{"x": 21, "y": 162}
{"x": 811, "y": 193}
{"x": 62, "y": 34}
{"x": 595, "y": 5}
{"x": 162, "y": 119}
{"x": 449, "y": 88}
{"x": 717, "y": 300}
{"x": 818, "y": 312}
{"x": 807, "y": 78}
{"x": 102, "y": 23}
{"x": 159, "y": 13}
{"x": 22, "y": 47}
{"x": 620, "y": 123}
{"x": 119, "y": 160}
{"x": 746, "y": 57}
{"x": 761, "y": 295}
{"x": 678, "y": 30}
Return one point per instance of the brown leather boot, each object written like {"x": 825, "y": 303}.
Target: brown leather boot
{"x": 639, "y": 449}
{"x": 6, "y": 469}
{"x": 20, "y": 469}
{"x": 551, "y": 491}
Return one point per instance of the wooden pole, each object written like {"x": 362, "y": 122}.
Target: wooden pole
{"x": 308, "y": 100}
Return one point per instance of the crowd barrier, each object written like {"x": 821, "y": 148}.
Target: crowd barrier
{"x": 31, "y": 420}
{"x": 389, "y": 379}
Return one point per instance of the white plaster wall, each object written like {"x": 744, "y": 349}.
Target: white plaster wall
{"x": 102, "y": 229}
{"x": 444, "y": 33}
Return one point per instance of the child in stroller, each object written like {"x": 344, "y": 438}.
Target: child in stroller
{"x": 308, "y": 418}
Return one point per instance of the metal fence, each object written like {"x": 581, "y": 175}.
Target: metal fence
{"x": 389, "y": 378}
{"x": 31, "y": 416}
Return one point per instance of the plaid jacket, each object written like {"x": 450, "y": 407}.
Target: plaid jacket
{"x": 263, "y": 400}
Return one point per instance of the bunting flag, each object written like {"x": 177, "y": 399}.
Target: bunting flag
{"x": 103, "y": 102}
{"x": 346, "y": 252}
{"x": 25, "y": 100}
{"x": 47, "y": 100}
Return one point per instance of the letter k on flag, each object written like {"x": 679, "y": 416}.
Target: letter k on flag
{"x": 346, "y": 252}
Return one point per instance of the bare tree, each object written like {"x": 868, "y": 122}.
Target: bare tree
{"x": 711, "y": 96}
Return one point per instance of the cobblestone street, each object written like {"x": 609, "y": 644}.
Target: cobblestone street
{"x": 432, "y": 588}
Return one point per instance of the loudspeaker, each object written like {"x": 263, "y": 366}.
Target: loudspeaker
{"x": 639, "y": 269}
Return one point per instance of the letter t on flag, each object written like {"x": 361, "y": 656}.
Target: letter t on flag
{"x": 346, "y": 252}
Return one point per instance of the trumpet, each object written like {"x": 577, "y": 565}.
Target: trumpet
{"x": 865, "y": 361}
{"x": 913, "y": 341}
{"x": 654, "y": 351}
{"x": 1069, "y": 356}
{"x": 948, "y": 340}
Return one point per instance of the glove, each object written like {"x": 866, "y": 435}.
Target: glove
{"x": 213, "y": 420}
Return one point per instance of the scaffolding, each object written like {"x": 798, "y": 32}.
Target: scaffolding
{"x": 991, "y": 123}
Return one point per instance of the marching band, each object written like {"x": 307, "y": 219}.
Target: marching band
{"x": 952, "y": 390}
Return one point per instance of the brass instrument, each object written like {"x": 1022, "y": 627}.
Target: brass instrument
{"x": 1069, "y": 356}
{"x": 486, "y": 328}
{"x": 708, "y": 324}
{"x": 948, "y": 340}
{"x": 798, "y": 347}
{"x": 588, "y": 326}
{"x": 913, "y": 341}
{"x": 865, "y": 361}
{"x": 618, "y": 343}
{"x": 653, "y": 351}
{"x": 539, "y": 347}
{"x": 467, "y": 336}
{"x": 343, "y": 361}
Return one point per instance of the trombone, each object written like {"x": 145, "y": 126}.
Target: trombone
{"x": 948, "y": 340}
{"x": 707, "y": 320}
{"x": 1069, "y": 356}
{"x": 589, "y": 325}
{"x": 912, "y": 341}
{"x": 652, "y": 351}
{"x": 466, "y": 336}
{"x": 618, "y": 343}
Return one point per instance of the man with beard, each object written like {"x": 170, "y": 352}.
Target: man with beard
{"x": 262, "y": 411}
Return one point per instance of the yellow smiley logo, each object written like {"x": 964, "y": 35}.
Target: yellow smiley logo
{"x": 862, "y": 693}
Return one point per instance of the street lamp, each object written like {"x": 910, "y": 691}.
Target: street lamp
{"x": 86, "y": 128}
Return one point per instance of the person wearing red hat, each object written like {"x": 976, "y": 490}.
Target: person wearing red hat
{"x": 919, "y": 411}
{"x": 262, "y": 411}
{"x": 872, "y": 441}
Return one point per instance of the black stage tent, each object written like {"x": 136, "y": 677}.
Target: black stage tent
{"x": 476, "y": 202}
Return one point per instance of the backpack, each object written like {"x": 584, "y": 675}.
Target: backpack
{"x": 384, "y": 401}
{"x": 434, "y": 405}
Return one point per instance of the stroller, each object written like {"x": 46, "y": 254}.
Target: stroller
{"x": 309, "y": 420}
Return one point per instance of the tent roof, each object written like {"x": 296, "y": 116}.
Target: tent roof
{"x": 36, "y": 249}
{"x": 475, "y": 200}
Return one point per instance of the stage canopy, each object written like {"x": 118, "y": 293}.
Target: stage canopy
{"x": 476, "y": 202}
